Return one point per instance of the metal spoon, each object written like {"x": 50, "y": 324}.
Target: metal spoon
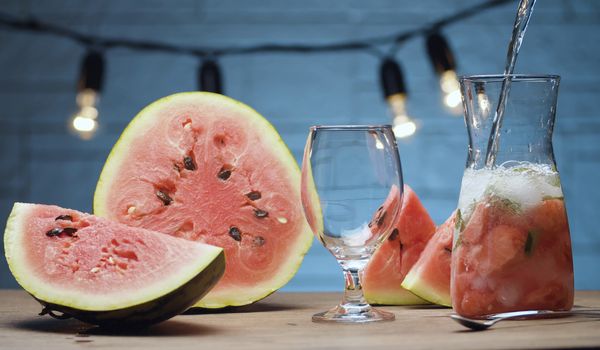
{"x": 479, "y": 325}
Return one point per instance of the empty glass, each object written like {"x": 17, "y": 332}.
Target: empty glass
{"x": 351, "y": 194}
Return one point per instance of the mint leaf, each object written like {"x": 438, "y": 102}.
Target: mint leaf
{"x": 520, "y": 169}
{"x": 505, "y": 203}
{"x": 459, "y": 223}
{"x": 530, "y": 242}
{"x": 554, "y": 180}
{"x": 457, "y": 243}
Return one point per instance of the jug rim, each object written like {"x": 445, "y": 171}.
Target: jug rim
{"x": 514, "y": 77}
{"x": 352, "y": 127}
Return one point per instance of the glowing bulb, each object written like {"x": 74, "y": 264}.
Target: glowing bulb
{"x": 451, "y": 91}
{"x": 402, "y": 125}
{"x": 84, "y": 121}
{"x": 83, "y": 124}
{"x": 452, "y": 99}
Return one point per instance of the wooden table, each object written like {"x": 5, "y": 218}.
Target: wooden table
{"x": 283, "y": 321}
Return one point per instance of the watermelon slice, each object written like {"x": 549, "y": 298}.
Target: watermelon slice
{"x": 429, "y": 278}
{"x": 210, "y": 169}
{"x": 104, "y": 272}
{"x": 389, "y": 265}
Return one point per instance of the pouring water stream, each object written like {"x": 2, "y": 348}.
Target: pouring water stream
{"x": 524, "y": 12}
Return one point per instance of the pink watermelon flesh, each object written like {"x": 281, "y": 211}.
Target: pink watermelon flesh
{"x": 205, "y": 170}
{"x": 429, "y": 278}
{"x": 389, "y": 265}
{"x": 85, "y": 263}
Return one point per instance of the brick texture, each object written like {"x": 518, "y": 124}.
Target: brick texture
{"x": 41, "y": 162}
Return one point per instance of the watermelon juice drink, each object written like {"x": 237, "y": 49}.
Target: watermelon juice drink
{"x": 512, "y": 249}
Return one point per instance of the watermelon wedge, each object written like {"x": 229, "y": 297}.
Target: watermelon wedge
{"x": 389, "y": 265}
{"x": 429, "y": 278}
{"x": 207, "y": 168}
{"x": 103, "y": 272}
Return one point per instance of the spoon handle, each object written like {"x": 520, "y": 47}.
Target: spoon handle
{"x": 541, "y": 313}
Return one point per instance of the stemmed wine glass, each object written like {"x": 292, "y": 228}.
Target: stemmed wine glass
{"x": 351, "y": 194}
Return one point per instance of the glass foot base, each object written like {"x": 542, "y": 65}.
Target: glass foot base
{"x": 353, "y": 314}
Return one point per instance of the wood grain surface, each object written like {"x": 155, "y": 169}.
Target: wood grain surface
{"x": 284, "y": 321}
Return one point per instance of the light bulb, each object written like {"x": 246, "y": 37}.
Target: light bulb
{"x": 83, "y": 124}
{"x": 403, "y": 125}
{"x": 451, "y": 91}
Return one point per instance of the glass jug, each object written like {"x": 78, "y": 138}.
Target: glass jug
{"x": 512, "y": 248}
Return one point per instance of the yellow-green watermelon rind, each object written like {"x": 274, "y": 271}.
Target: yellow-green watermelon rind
{"x": 145, "y": 119}
{"x": 145, "y": 311}
{"x": 403, "y": 297}
{"x": 414, "y": 283}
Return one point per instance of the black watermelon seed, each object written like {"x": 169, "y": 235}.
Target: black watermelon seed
{"x": 381, "y": 218}
{"x": 401, "y": 246}
{"x": 448, "y": 249}
{"x": 259, "y": 213}
{"x": 393, "y": 235}
{"x": 235, "y": 233}
{"x": 69, "y": 231}
{"x": 188, "y": 162}
{"x": 54, "y": 232}
{"x": 254, "y": 195}
{"x": 224, "y": 174}
{"x": 259, "y": 241}
{"x": 64, "y": 217}
{"x": 370, "y": 224}
{"x": 164, "y": 197}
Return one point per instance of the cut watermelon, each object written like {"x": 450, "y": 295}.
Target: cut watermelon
{"x": 104, "y": 272}
{"x": 207, "y": 168}
{"x": 389, "y": 265}
{"x": 429, "y": 278}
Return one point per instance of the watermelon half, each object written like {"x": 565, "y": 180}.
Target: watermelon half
{"x": 104, "y": 272}
{"x": 429, "y": 278}
{"x": 389, "y": 265}
{"x": 210, "y": 169}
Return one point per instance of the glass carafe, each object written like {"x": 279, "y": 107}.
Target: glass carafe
{"x": 512, "y": 248}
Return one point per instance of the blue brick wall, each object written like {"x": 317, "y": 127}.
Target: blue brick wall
{"x": 41, "y": 162}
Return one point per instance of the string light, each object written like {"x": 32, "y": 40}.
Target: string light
{"x": 445, "y": 66}
{"x": 209, "y": 77}
{"x": 84, "y": 122}
{"x": 394, "y": 92}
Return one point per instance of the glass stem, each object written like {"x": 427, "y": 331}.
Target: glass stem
{"x": 353, "y": 293}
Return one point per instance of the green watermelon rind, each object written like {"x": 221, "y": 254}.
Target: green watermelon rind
{"x": 171, "y": 297}
{"x": 416, "y": 284}
{"x": 396, "y": 297}
{"x": 245, "y": 295}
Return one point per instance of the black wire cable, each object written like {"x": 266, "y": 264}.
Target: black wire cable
{"x": 368, "y": 44}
